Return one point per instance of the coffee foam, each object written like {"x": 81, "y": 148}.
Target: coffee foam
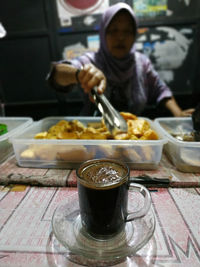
{"x": 103, "y": 174}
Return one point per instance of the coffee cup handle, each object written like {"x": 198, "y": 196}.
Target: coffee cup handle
{"x": 147, "y": 202}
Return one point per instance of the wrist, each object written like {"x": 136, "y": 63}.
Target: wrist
{"x": 65, "y": 74}
{"x": 177, "y": 113}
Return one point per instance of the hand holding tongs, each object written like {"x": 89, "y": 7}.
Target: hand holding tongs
{"x": 112, "y": 118}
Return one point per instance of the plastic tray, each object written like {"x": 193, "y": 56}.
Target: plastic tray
{"x": 71, "y": 153}
{"x": 14, "y": 126}
{"x": 183, "y": 154}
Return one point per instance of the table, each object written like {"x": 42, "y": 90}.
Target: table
{"x": 26, "y": 212}
{"x": 64, "y": 177}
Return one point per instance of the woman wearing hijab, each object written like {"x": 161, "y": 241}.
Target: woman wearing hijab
{"x": 125, "y": 76}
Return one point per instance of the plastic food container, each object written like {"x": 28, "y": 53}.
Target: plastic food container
{"x": 14, "y": 125}
{"x": 184, "y": 155}
{"x": 51, "y": 153}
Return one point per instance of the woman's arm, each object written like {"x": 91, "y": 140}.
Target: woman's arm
{"x": 88, "y": 76}
{"x": 64, "y": 74}
{"x": 162, "y": 93}
{"x": 174, "y": 108}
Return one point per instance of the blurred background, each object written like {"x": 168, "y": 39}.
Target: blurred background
{"x": 41, "y": 31}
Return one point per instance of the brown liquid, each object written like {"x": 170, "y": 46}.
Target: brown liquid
{"x": 103, "y": 174}
{"x": 103, "y": 205}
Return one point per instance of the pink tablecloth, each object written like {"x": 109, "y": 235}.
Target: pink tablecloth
{"x": 25, "y": 228}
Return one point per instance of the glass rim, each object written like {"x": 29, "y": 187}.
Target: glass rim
{"x": 94, "y": 185}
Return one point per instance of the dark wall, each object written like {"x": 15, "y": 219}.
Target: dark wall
{"x": 35, "y": 38}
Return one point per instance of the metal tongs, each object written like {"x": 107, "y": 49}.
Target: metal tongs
{"x": 113, "y": 120}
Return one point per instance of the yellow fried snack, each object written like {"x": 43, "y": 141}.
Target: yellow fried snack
{"x": 92, "y": 133}
{"x": 42, "y": 135}
{"x": 73, "y": 153}
{"x": 55, "y": 152}
{"x": 138, "y": 129}
{"x": 28, "y": 154}
{"x": 108, "y": 151}
{"x": 42, "y": 151}
{"x": 93, "y": 136}
{"x": 121, "y": 136}
{"x": 95, "y": 125}
{"x": 45, "y": 152}
{"x": 68, "y": 135}
{"x": 128, "y": 116}
{"x": 147, "y": 153}
{"x": 131, "y": 155}
{"x": 149, "y": 135}
{"x": 133, "y": 137}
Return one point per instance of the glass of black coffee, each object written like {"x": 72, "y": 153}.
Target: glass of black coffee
{"x": 103, "y": 186}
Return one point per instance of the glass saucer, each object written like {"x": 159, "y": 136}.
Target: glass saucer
{"x": 67, "y": 228}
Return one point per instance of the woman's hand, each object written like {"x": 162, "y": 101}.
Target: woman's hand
{"x": 186, "y": 112}
{"x": 90, "y": 76}
{"x": 172, "y": 106}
